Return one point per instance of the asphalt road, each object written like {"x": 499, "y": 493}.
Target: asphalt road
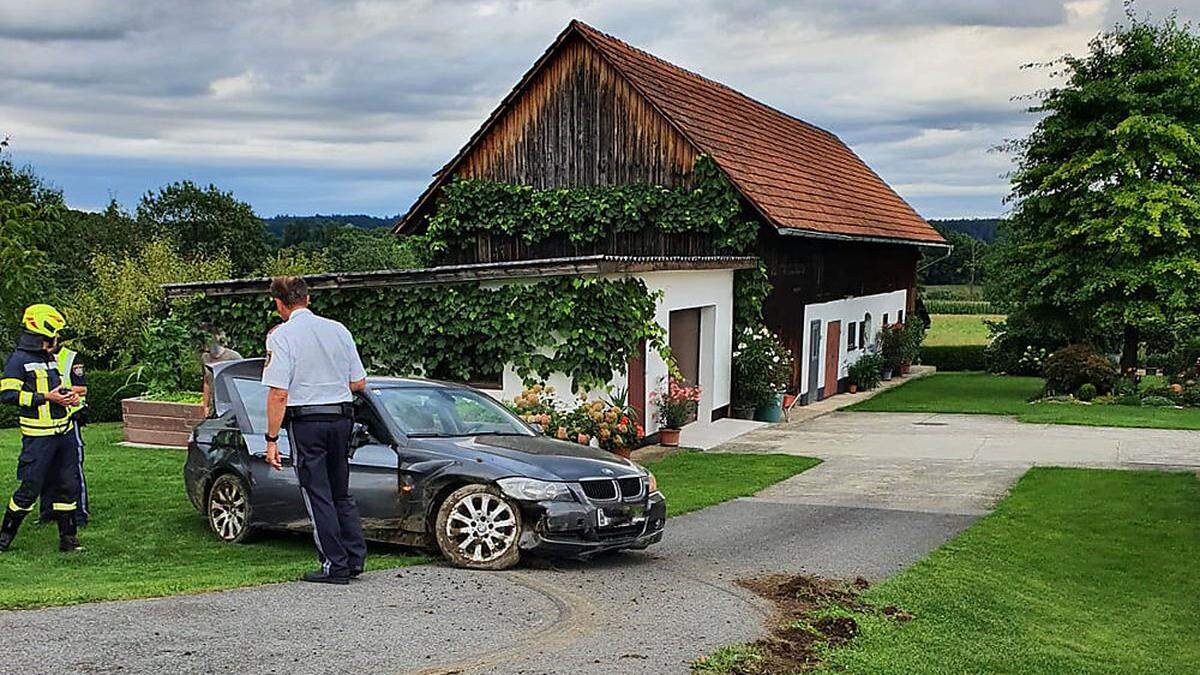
{"x": 648, "y": 612}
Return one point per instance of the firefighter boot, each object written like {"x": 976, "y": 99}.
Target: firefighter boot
{"x": 67, "y": 542}
{"x": 8, "y": 530}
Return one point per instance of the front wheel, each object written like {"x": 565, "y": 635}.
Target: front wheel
{"x": 229, "y": 508}
{"x": 478, "y": 528}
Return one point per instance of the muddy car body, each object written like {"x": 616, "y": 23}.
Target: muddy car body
{"x": 435, "y": 465}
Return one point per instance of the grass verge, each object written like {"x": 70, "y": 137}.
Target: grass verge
{"x": 1007, "y": 395}
{"x": 146, "y": 540}
{"x": 1077, "y": 571}
{"x": 694, "y": 480}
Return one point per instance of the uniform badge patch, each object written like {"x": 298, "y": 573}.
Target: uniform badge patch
{"x": 77, "y": 370}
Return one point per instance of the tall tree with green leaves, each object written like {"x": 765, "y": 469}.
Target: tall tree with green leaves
{"x": 206, "y": 222}
{"x": 30, "y": 213}
{"x": 1104, "y": 238}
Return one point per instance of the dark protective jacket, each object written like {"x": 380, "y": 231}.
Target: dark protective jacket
{"x": 29, "y": 374}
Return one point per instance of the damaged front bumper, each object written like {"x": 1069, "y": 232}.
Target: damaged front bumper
{"x": 583, "y": 529}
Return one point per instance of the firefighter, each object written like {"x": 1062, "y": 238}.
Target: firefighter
{"x": 49, "y": 442}
{"x": 71, "y": 370}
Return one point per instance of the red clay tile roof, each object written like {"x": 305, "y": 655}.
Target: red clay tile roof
{"x": 798, "y": 175}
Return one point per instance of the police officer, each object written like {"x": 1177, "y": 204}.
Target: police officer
{"x": 313, "y": 368}
{"x": 71, "y": 370}
{"x": 49, "y": 443}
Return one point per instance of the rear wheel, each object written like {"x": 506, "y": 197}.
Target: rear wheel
{"x": 478, "y": 528}
{"x": 229, "y": 508}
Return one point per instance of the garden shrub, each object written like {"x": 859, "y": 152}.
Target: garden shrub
{"x": 865, "y": 372}
{"x": 1125, "y": 391}
{"x": 106, "y": 388}
{"x": 1020, "y": 344}
{"x": 955, "y": 357}
{"x": 1191, "y": 396}
{"x": 762, "y": 367}
{"x": 1157, "y": 402}
{"x": 1086, "y": 392}
{"x": 1075, "y": 365}
{"x": 612, "y": 425}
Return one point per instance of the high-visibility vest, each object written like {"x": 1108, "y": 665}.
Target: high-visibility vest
{"x": 66, "y": 361}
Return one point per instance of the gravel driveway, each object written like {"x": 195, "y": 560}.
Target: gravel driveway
{"x": 649, "y": 612}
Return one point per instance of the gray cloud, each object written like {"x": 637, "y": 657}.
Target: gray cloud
{"x": 347, "y": 105}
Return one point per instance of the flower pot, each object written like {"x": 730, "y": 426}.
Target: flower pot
{"x": 887, "y": 374}
{"x": 771, "y": 412}
{"x": 668, "y": 437}
{"x": 904, "y": 367}
{"x": 742, "y": 411}
{"x": 853, "y": 388}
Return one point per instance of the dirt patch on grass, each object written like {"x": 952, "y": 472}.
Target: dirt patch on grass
{"x": 813, "y": 615}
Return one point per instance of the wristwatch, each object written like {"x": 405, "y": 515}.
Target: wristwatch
{"x": 270, "y": 438}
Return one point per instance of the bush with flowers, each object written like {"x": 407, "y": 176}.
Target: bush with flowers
{"x": 676, "y": 406}
{"x": 606, "y": 424}
{"x": 762, "y": 367}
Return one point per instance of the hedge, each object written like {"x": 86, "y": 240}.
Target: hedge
{"x": 955, "y": 357}
{"x": 959, "y": 307}
{"x": 106, "y": 388}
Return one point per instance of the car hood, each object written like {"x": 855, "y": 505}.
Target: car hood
{"x": 537, "y": 457}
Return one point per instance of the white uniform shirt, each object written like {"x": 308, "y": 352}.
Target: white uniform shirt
{"x": 314, "y": 359}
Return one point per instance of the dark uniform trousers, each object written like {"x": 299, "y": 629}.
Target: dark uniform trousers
{"x": 48, "y": 465}
{"x": 321, "y": 457}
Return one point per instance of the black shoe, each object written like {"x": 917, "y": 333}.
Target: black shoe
{"x": 5, "y": 541}
{"x": 355, "y": 572}
{"x": 69, "y": 544}
{"x": 323, "y": 578}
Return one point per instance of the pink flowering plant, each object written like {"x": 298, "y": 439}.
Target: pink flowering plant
{"x": 676, "y": 406}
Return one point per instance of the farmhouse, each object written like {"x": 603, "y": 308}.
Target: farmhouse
{"x": 841, "y": 248}
{"x": 606, "y": 163}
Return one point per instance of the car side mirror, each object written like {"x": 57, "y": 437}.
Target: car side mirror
{"x": 359, "y": 435}
{"x": 537, "y": 427}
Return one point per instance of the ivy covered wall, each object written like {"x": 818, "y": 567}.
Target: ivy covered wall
{"x": 584, "y": 327}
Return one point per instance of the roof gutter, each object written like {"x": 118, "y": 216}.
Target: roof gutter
{"x": 811, "y": 234}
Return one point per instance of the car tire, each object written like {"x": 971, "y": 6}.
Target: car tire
{"x": 479, "y": 528}
{"x": 228, "y": 509}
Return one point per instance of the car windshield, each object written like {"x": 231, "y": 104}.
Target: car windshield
{"x": 439, "y": 411}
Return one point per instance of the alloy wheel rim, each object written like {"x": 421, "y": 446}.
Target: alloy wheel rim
{"x": 228, "y": 512}
{"x": 482, "y": 526}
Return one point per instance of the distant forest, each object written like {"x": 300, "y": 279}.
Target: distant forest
{"x": 983, "y": 229}
{"x": 277, "y": 224}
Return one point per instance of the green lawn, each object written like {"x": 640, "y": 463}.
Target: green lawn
{"x": 1078, "y": 571}
{"x": 947, "y": 330}
{"x": 1007, "y": 395}
{"x": 694, "y": 480}
{"x": 146, "y": 540}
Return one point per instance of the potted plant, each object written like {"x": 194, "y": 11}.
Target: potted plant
{"x": 865, "y": 372}
{"x": 674, "y": 408}
{"x": 170, "y": 370}
{"x": 762, "y": 368}
{"x": 893, "y": 348}
{"x": 914, "y": 335}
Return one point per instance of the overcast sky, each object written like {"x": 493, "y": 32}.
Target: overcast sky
{"x": 348, "y": 107}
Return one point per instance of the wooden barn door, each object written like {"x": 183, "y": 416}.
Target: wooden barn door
{"x": 636, "y": 379}
{"x": 833, "y": 345}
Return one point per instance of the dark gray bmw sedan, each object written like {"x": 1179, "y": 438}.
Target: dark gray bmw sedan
{"x": 435, "y": 465}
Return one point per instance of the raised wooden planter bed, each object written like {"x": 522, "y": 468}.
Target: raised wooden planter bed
{"x": 159, "y": 422}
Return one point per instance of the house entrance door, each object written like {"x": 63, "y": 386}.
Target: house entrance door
{"x": 814, "y": 360}
{"x": 833, "y": 345}
{"x": 684, "y": 337}
{"x": 636, "y": 380}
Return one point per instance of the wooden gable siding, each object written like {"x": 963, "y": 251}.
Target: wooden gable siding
{"x": 580, "y": 123}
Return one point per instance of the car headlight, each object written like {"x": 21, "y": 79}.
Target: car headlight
{"x": 651, "y": 482}
{"x": 531, "y": 489}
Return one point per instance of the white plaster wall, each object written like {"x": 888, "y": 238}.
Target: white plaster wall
{"x": 710, "y": 290}
{"x": 847, "y": 310}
